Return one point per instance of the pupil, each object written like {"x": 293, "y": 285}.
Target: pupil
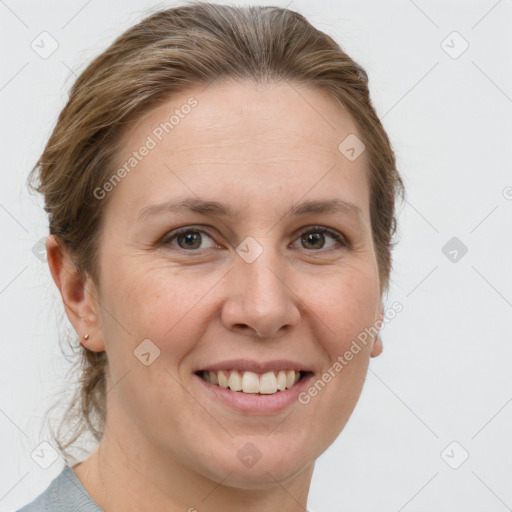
{"x": 314, "y": 238}
{"x": 190, "y": 238}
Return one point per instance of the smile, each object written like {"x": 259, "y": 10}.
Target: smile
{"x": 266, "y": 383}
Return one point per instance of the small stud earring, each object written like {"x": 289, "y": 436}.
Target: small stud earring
{"x": 86, "y": 336}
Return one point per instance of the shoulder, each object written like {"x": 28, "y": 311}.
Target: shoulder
{"x": 65, "y": 492}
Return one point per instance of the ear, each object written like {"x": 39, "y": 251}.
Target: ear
{"x": 377, "y": 346}
{"x": 78, "y": 294}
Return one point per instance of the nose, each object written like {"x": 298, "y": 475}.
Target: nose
{"x": 260, "y": 298}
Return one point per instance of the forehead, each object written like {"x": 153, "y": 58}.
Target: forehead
{"x": 255, "y": 139}
{"x": 241, "y": 112}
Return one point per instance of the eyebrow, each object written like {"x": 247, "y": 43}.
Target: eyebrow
{"x": 215, "y": 208}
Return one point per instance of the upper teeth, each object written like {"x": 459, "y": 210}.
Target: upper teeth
{"x": 250, "y": 382}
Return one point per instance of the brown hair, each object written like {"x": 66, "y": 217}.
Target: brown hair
{"x": 165, "y": 53}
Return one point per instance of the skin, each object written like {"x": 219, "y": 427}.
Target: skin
{"x": 167, "y": 446}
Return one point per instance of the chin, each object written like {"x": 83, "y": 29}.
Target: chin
{"x": 258, "y": 467}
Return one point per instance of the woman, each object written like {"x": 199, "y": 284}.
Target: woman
{"x": 221, "y": 199}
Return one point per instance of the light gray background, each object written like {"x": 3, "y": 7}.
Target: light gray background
{"x": 444, "y": 374}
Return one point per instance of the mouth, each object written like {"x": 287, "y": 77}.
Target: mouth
{"x": 253, "y": 387}
{"x": 252, "y": 382}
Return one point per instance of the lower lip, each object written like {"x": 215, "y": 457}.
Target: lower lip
{"x": 254, "y": 403}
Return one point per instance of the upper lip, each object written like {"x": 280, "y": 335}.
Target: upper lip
{"x": 256, "y": 366}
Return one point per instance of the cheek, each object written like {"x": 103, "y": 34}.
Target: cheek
{"x": 165, "y": 304}
{"x": 341, "y": 309}
{"x": 152, "y": 300}
{"x": 346, "y": 303}
{"x": 160, "y": 306}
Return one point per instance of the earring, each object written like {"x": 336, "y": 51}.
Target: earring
{"x": 86, "y": 336}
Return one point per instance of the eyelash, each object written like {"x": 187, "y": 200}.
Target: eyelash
{"x": 338, "y": 237}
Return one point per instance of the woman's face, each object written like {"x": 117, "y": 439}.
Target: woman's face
{"x": 258, "y": 287}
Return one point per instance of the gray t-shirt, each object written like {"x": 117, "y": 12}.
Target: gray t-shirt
{"x": 64, "y": 493}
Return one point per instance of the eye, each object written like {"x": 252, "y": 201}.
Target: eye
{"x": 188, "y": 239}
{"x": 315, "y": 238}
